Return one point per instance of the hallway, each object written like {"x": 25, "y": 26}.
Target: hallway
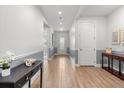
{"x": 61, "y": 73}
{"x": 73, "y": 46}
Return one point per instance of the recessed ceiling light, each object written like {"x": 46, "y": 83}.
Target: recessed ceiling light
{"x": 59, "y": 12}
{"x": 60, "y": 23}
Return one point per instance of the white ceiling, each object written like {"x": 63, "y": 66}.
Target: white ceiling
{"x": 70, "y": 12}
{"x": 52, "y": 16}
{"x": 97, "y": 10}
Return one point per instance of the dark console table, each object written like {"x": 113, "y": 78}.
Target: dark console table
{"x": 20, "y": 75}
{"x": 109, "y": 68}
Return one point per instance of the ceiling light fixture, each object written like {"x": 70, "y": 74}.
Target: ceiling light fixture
{"x": 60, "y": 23}
{"x": 59, "y": 12}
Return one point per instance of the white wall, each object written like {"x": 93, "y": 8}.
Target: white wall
{"x": 21, "y": 29}
{"x": 49, "y": 38}
{"x": 115, "y": 21}
{"x": 101, "y": 31}
{"x": 72, "y": 37}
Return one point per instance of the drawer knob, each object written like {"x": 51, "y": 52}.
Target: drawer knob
{"x": 19, "y": 85}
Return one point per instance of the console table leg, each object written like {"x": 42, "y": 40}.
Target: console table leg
{"x": 102, "y": 60}
{"x": 41, "y": 77}
{"x": 29, "y": 83}
{"x": 108, "y": 63}
{"x": 119, "y": 67}
{"x": 112, "y": 65}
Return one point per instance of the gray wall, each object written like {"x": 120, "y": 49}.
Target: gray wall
{"x": 74, "y": 55}
{"x": 52, "y": 51}
{"x": 98, "y": 56}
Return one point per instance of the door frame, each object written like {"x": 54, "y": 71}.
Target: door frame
{"x": 86, "y": 21}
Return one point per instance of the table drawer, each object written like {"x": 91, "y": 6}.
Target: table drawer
{"x": 35, "y": 70}
{"x": 116, "y": 57}
{"x": 20, "y": 83}
{"x": 23, "y": 80}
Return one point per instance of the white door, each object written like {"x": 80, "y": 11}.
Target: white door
{"x": 87, "y": 43}
{"x": 61, "y": 45}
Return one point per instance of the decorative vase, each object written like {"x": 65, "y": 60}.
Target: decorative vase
{"x": 5, "y": 72}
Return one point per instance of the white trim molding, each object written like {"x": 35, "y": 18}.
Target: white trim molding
{"x": 26, "y": 54}
{"x": 100, "y": 65}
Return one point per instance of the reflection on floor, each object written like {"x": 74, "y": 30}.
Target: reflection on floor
{"x": 61, "y": 73}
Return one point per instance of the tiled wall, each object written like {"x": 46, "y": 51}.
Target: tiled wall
{"x": 98, "y": 56}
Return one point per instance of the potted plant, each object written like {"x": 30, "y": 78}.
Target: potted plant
{"x": 5, "y": 66}
{"x": 5, "y": 63}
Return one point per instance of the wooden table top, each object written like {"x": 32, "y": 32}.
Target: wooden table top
{"x": 116, "y": 55}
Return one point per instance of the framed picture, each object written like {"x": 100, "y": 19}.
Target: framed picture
{"x": 115, "y": 37}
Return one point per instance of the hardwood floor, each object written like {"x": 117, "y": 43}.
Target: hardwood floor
{"x": 60, "y": 72}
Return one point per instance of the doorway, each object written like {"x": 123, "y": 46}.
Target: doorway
{"x": 86, "y": 43}
{"x": 62, "y": 45}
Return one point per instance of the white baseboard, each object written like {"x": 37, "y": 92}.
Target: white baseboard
{"x": 94, "y": 65}
{"x": 77, "y": 65}
{"x": 61, "y": 54}
{"x": 98, "y": 65}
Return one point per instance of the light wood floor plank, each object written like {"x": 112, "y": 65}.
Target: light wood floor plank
{"x": 60, "y": 73}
